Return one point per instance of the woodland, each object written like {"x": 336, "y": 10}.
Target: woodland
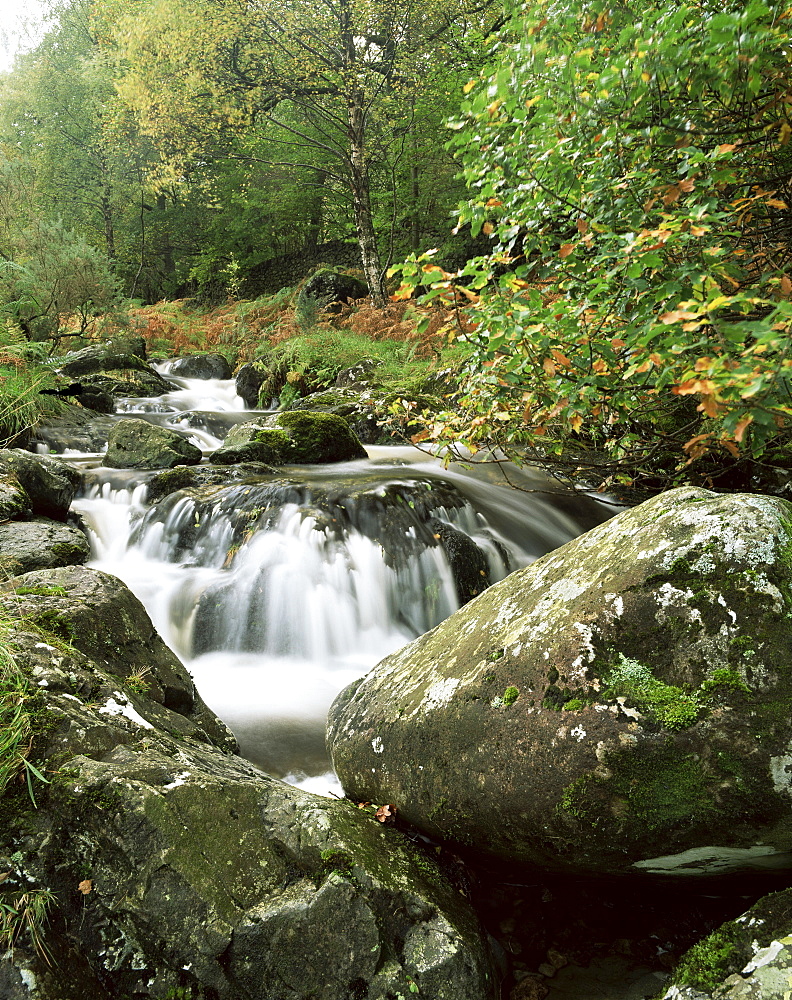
{"x": 579, "y": 209}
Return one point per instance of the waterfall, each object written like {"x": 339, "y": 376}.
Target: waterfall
{"x": 277, "y": 593}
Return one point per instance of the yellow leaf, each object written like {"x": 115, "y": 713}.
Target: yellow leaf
{"x": 576, "y": 421}
{"x": 776, "y": 203}
{"x": 493, "y": 203}
{"x": 469, "y": 86}
{"x": 488, "y": 229}
{"x": 403, "y": 292}
{"x": 784, "y": 133}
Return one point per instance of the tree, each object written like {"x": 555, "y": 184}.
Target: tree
{"x": 324, "y": 82}
{"x": 632, "y": 162}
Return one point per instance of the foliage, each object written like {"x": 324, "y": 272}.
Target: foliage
{"x": 709, "y": 962}
{"x": 632, "y": 164}
{"x": 16, "y": 733}
{"x": 22, "y": 378}
{"x": 25, "y": 912}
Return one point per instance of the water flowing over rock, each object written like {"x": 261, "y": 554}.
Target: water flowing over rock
{"x": 175, "y": 865}
{"x": 623, "y": 704}
{"x": 137, "y": 444}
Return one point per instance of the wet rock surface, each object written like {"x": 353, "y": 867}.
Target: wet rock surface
{"x": 137, "y": 444}
{"x": 50, "y": 484}
{"x": 177, "y": 866}
{"x": 291, "y": 438}
{"x": 203, "y": 366}
{"x": 40, "y": 544}
{"x": 622, "y": 705}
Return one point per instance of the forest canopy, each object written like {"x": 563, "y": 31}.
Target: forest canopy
{"x": 627, "y": 163}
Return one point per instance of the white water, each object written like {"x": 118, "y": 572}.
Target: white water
{"x": 274, "y": 625}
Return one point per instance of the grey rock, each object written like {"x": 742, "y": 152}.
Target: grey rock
{"x": 198, "y": 871}
{"x": 40, "y": 544}
{"x": 291, "y": 437}
{"x": 202, "y": 366}
{"x": 50, "y": 483}
{"x": 328, "y": 287}
{"x": 108, "y": 356}
{"x": 624, "y": 704}
{"x": 249, "y": 379}
{"x": 137, "y": 444}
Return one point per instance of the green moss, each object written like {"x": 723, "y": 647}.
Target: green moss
{"x": 495, "y": 655}
{"x": 510, "y": 695}
{"x": 41, "y": 591}
{"x": 334, "y": 860}
{"x": 574, "y": 705}
{"x": 710, "y": 961}
{"x": 664, "y": 703}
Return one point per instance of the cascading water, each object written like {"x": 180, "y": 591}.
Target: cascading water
{"x": 277, "y": 592}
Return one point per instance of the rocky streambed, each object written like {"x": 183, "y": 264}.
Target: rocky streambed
{"x": 578, "y": 765}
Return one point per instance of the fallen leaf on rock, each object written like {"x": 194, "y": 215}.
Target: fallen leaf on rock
{"x": 386, "y": 814}
{"x": 85, "y": 886}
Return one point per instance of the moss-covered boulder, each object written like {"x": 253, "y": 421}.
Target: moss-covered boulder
{"x": 124, "y": 383}
{"x": 749, "y": 958}
{"x": 137, "y": 444}
{"x": 14, "y": 501}
{"x": 292, "y": 438}
{"x": 49, "y": 483}
{"x": 175, "y": 868}
{"x": 623, "y": 704}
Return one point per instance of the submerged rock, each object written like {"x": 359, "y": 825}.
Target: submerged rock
{"x": 137, "y": 444}
{"x": 175, "y": 866}
{"x": 622, "y": 705}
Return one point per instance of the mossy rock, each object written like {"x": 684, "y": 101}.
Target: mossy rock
{"x": 292, "y": 437}
{"x": 126, "y": 354}
{"x": 329, "y": 286}
{"x": 664, "y": 636}
{"x": 40, "y": 544}
{"x": 759, "y": 940}
{"x": 49, "y": 483}
{"x": 177, "y": 868}
{"x": 137, "y": 444}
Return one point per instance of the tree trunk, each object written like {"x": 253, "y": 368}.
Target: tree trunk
{"x": 361, "y": 199}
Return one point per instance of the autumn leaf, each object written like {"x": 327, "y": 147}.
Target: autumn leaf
{"x": 675, "y": 316}
{"x": 582, "y": 226}
{"x": 85, "y": 886}
{"x": 488, "y": 229}
{"x": 549, "y": 367}
{"x": 742, "y": 427}
{"x": 566, "y": 250}
{"x": 786, "y": 286}
{"x": 386, "y": 814}
{"x": 402, "y": 292}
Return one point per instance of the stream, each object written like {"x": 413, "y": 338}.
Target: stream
{"x": 299, "y": 613}
{"x": 275, "y": 617}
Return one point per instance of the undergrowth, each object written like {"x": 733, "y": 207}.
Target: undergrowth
{"x": 24, "y": 372}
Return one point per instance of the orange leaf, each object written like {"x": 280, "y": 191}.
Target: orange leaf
{"x": 656, "y": 359}
{"x": 702, "y": 364}
{"x": 599, "y": 366}
{"x": 85, "y": 886}
{"x": 675, "y": 316}
{"x": 576, "y": 421}
{"x": 693, "y": 386}
{"x": 566, "y": 250}
{"x": 403, "y": 292}
{"x": 549, "y": 367}
{"x": 687, "y": 185}
{"x": 386, "y": 814}
{"x": 617, "y": 344}
{"x": 562, "y": 359}
{"x": 582, "y": 225}
{"x": 786, "y": 286}
{"x": 776, "y": 203}
{"x": 728, "y": 147}
{"x": 488, "y": 229}
{"x": 742, "y": 427}
{"x": 672, "y": 194}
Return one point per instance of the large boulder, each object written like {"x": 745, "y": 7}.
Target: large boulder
{"x": 40, "y": 544}
{"x": 49, "y": 483}
{"x": 137, "y": 444}
{"x": 202, "y": 366}
{"x": 622, "y": 705}
{"x": 74, "y": 429}
{"x": 174, "y": 867}
{"x": 291, "y": 437}
{"x": 111, "y": 355}
{"x": 124, "y": 383}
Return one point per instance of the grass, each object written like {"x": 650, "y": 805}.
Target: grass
{"x": 23, "y": 374}
{"x": 16, "y": 730}
{"x": 25, "y": 912}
